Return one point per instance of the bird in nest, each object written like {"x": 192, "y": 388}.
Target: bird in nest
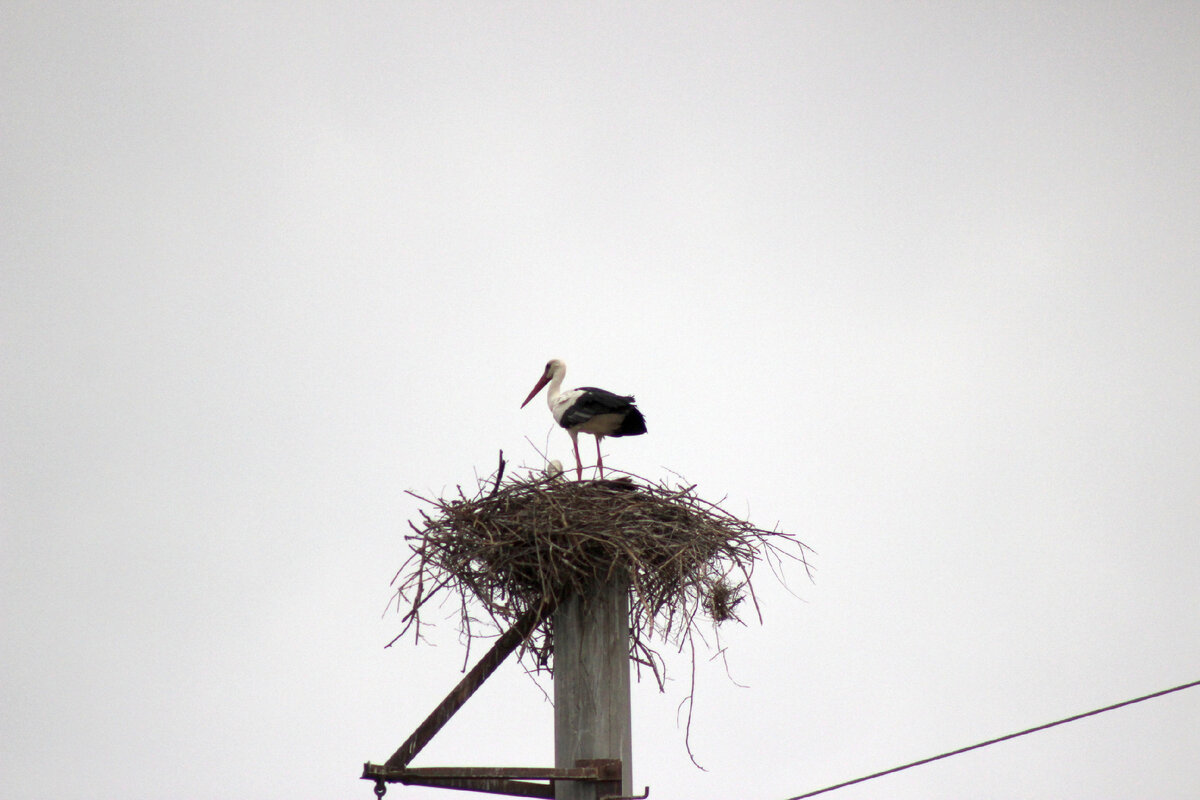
{"x": 587, "y": 410}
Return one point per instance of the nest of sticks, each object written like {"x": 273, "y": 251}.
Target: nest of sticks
{"x": 517, "y": 544}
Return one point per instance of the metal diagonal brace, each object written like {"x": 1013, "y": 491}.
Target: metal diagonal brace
{"x": 504, "y": 646}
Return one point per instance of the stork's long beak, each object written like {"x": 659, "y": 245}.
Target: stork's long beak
{"x": 542, "y": 382}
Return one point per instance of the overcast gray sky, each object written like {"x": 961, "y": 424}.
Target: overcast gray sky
{"x": 919, "y": 283}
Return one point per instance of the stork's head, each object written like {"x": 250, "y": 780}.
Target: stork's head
{"x": 554, "y": 369}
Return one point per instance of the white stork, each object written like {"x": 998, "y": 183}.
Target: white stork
{"x": 589, "y": 410}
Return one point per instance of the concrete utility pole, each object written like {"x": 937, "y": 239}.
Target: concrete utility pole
{"x": 591, "y": 687}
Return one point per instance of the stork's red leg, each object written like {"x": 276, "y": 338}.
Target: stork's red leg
{"x": 578, "y": 460}
{"x": 599, "y": 458}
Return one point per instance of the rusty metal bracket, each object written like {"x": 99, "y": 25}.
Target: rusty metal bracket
{"x": 605, "y": 773}
{"x": 641, "y": 796}
{"x": 514, "y": 781}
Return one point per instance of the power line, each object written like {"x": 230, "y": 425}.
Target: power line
{"x": 994, "y": 741}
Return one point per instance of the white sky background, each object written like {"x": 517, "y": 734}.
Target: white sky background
{"x": 919, "y": 283}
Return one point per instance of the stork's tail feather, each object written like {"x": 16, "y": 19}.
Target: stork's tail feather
{"x": 634, "y": 424}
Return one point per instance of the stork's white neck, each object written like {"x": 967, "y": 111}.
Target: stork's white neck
{"x": 555, "y": 387}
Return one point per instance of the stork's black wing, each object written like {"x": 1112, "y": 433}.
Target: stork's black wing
{"x": 594, "y": 402}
